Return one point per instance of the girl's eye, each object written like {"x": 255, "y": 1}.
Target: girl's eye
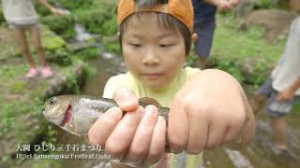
{"x": 135, "y": 45}
{"x": 165, "y": 45}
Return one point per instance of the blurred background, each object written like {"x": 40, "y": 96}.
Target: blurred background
{"x": 82, "y": 47}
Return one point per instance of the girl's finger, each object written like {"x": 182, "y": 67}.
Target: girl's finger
{"x": 104, "y": 126}
{"x": 120, "y": 139}
{"x": 157, "y": 147}
{"x": 142, "y": 139}
{"x": 126, "y": 99}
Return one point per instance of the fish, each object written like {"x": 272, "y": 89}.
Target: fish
{"x": 77, "y": 113}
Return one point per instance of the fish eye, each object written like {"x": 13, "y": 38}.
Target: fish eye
{"x": 53, "y": 100}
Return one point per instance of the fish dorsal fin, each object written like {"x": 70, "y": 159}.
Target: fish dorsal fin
{"x": 144, "y": 101}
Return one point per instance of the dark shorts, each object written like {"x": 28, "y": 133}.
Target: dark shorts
{"x": 205, "y": 32}
{"x": 275, "y": 108}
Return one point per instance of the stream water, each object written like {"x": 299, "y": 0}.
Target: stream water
{"x": 260, "y": 154}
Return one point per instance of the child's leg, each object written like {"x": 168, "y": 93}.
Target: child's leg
{"x": 277, "y": 109}
{"x": 201, "y": 61}
{"x": 205, "y": 32}
{"x": 257, "y": 103}
{"x": 279, "y": 129}
{"x": 23, "y": 44}
{"x": 36, "y": 39}
{"x": 261, "y": 95}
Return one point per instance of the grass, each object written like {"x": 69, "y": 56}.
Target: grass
{"x": 232, "y": 49}
{"x": 232, "y": 43}
{"x": 22, "y": 102}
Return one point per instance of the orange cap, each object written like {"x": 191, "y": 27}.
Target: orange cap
{"x": 180, "y": 9}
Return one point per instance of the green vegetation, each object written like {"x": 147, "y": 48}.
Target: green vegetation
{"x": 1, "y": 15}
{"x": 98, "y": 19}
{"x": 88, "y": 53}
{"x": 266, "y": 4}
{"x": 22, "y": 102}
{"x": 244, "y": 53}
{"x": 113, "y": 47}
{"x": 70, "y": 5}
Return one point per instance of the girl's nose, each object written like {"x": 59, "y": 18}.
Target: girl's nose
{"x": 151, "y": 58}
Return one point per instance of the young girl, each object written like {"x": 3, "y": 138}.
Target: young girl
{"x": 207, "y": 108}
{"x": 21, "y": 17}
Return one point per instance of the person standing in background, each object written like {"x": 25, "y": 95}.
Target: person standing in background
{"x": 204, "y": 25}
{"x": 21, "y": 17}
{"x": 282, "y": 89}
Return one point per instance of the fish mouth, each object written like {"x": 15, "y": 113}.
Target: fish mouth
{"x": 67, "y": 117}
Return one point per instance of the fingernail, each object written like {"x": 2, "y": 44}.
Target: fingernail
{"x": 126, "y": 98}
{"x": 140, "y": 112}
{"x": 175, "y": 151}
{"x": 150, "y": 116}
{"x": 151, "y": 110}
{"x": 125, "y": 94}
{"x": 191, "y": 153}
{"x": 162, "y": 122}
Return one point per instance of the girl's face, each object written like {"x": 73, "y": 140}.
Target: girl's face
{"x": 152, "y": 53}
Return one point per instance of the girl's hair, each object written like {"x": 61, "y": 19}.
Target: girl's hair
{"x": 168, "y": 21}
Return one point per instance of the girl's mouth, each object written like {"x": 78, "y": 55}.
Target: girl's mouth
{"x": 152, "y": 75}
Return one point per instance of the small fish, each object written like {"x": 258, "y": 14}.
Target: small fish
{"x": 77, "y": 113}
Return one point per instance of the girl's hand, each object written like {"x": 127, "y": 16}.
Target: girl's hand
{"x": 137, "y": 138}
{"x": 209, "y": 110}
